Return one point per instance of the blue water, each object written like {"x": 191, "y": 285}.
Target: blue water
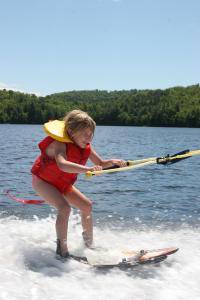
{"x": 152, "y": 196}
{"x": 152, "y": 207}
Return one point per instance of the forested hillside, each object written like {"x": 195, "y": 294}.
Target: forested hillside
{"x": 178, "y": 106}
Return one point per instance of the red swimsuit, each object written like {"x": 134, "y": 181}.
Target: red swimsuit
{"x": 47, "y": 169}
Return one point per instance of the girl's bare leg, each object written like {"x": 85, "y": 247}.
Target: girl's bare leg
{"x": 77, "y": 199}
{"x": 53, "y": 197}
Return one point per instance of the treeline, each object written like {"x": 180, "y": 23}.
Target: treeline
{"x": 177, "y": 106}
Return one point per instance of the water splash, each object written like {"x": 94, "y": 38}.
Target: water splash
{"x": 29, "y": 268}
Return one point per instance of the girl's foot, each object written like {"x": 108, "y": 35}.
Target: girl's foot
{"x": 87, "y": 240}
{"x": 65, "y": 255}
{"x": 59, "y": 249}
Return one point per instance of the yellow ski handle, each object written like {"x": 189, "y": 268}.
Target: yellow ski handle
{"x": 133, "y": 164}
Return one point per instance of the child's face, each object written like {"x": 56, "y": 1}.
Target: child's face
{"x": 82, "y": 137}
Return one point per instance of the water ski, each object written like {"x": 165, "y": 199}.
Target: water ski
{"x": 128, "y": 258}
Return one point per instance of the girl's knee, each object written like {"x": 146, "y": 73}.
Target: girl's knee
{"x": 87, "y": 209}
{"x": 64, "y": 210}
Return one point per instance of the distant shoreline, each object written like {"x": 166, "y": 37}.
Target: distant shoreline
{"x": 102, "y": 125}
{"x": 172, "y": 107}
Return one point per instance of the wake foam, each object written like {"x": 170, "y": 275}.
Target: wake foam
{"x": 29, "y": 269}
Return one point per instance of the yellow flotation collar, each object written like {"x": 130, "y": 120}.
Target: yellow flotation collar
{"x": 55, "y": 129}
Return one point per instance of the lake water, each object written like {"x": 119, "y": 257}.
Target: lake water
{"x": 152, "y": 207}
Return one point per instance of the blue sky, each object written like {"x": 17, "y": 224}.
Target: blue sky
{"x": 53, "y": 46}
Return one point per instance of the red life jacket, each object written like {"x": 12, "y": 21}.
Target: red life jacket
{"x": 47, "y": 169}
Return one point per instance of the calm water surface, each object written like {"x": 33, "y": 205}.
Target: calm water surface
{"x": 152, "y": 207}
{"x": 152, "y": 196}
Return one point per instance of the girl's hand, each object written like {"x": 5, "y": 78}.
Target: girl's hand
{"x": 119, "y": 162}
{"x": 95, "y": 168}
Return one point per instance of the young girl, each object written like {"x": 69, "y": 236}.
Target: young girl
{"x": 55, "y": 172}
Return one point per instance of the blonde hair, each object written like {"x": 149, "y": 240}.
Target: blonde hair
{"x": 77, "y": 120}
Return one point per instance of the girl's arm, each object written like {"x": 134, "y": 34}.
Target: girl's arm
{"x": 68, "y": 166}
{"x": 105, "y": 163}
